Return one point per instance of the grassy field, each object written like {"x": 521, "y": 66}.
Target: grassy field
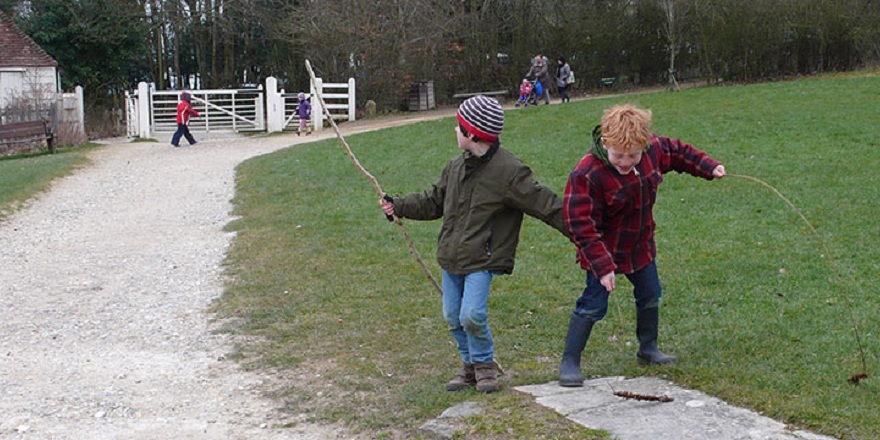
{"x": 327, "y": 293}
{"x": 22, "y": 177}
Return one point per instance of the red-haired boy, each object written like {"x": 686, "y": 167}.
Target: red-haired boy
{"x": 608, "y": 209}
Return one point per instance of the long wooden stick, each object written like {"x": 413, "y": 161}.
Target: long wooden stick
{"x": 357, "y": 163}
{"x": 829, "y": 259}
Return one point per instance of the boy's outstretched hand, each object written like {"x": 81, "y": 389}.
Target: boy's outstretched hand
{"x": 719, "y": 172}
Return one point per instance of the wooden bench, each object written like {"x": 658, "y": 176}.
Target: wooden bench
{"x": 27, "y": 133}
{"x": 610, "y": 81}
{"x": 500, "y": 94}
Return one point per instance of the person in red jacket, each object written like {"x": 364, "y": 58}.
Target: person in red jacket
{"x": 184, "y": 111}
{"x": 608, "y": 209}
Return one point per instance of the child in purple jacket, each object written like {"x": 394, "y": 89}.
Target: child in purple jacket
{"x": 305, "y": 114}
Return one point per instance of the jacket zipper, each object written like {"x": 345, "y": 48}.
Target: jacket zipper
{"x": 489, "y": 242}
{"x": 641, "y": 206}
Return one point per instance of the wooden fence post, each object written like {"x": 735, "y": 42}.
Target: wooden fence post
{"x": 317, "y": 110}
{"x": 143, "y": 109}
{"x": 80, "y": 110}
{"x": 274, "y": 106}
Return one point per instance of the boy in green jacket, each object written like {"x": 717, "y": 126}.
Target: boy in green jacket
{"x": 481, "y": 196}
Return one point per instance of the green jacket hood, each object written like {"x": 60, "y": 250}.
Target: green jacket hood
{"x": 596, "y": 148}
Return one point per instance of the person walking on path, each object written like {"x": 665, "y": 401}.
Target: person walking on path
{"x": 305, "y": 114}
{"x": 540, "y": 71}
{"x": 563, "y": 73}
{"x": 481, "y": 195}
{"x": 608, "y": 207}
{"x": 184, "y": 111}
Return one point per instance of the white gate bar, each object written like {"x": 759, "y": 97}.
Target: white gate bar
{"x": 232, "y": 113}
{"x": 351, "y": 100}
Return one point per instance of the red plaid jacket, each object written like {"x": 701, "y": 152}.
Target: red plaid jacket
{"x": 610, "y": 216}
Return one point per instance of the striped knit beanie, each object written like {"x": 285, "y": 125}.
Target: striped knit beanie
{"x": 482, "y": 116}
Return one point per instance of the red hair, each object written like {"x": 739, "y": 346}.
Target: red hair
{"x": 626, "y": 127}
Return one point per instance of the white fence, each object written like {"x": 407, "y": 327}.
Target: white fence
{"x": 235, "y": 110}
{"x": 282, "y": 108}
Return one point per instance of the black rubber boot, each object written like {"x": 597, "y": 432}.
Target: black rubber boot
{"x": 579, "y": 329}
{"x": 647, "y": 322}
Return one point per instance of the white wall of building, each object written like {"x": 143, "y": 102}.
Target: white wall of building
{"x": 27, "y": 83}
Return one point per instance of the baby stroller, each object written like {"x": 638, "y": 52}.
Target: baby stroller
{"x": 532, "y": 98}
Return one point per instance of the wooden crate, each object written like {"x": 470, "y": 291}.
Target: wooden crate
{"x": 421, "y": 96}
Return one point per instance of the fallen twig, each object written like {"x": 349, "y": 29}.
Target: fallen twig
{"x": 856, "y": 378}
{"x": 634, "y": 396}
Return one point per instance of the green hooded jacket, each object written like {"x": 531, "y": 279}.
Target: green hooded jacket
{"x": 482, "y": 201}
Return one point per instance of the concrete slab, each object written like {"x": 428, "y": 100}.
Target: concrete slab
{"x": 692, "y": 415}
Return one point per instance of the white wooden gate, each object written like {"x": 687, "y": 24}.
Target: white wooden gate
{"x": 149, "y": 111}
{"x": 234, "y": 110}
{"x": 131, "y": 115}
{"x": 219, "y": 110}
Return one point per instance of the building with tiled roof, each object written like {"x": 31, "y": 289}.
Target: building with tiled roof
{"x": 27, "y": 72}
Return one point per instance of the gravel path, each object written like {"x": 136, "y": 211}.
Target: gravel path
{"x": 104, "y": 284}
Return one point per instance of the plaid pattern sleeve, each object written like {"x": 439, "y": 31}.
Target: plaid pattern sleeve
{"x": 683, "y": 158}
{"x": 583, "y": 217}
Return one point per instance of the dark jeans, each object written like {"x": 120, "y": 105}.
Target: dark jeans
{"x": 182, "y": 130}
{"x": 563, "y": 93}
{"x": 593, "y": 303}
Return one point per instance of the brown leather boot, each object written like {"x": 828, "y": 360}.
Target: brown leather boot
{"x": 466, "y": 378}
{"x": 487, "y": 381}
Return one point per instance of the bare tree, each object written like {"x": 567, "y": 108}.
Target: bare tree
{"x": 674, "y": 11}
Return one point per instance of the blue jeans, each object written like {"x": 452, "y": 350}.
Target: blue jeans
{"x": 465, "y": 304}
{"x": 182, "y": 130}
{"x": 593, "y": 303}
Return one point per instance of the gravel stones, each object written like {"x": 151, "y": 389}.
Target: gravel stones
{"x": 103, "y": 292}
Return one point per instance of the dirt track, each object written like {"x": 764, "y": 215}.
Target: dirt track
{"x": 105, "y": 283}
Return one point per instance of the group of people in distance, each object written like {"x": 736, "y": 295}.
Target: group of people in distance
{"x": 606, "y": 211}
{"x": 539, "y": 71}
{"x": 538, "y": 81}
